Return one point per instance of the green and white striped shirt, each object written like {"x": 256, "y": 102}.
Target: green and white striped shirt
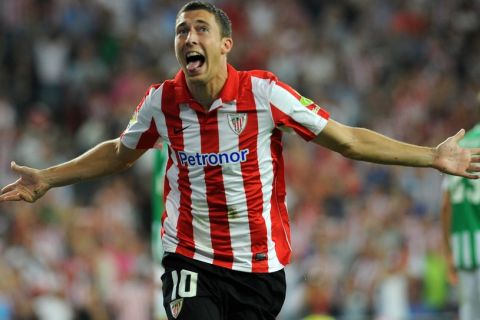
{"x": 465, "y": 221}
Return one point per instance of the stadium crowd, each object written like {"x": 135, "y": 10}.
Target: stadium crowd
{"x": 366, "y": 238}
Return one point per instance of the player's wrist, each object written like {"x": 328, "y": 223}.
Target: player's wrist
{"x": 46, "y": 179}
{"x": 434, "y": 159}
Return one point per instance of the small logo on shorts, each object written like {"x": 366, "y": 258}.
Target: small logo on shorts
{"x": 176, "y": 307}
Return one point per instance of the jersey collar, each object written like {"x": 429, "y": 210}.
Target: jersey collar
{"x": 227, "y": 94}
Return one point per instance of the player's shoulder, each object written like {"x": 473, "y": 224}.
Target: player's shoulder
{"x": 156, "y": 89}
{"x": 262, "y": 74}
{"x": 152, "y": 88}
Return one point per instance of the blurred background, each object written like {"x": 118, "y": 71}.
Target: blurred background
{"x": 366, "y": 238}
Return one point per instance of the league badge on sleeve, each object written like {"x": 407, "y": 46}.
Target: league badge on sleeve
{"x": 237, "y": 122}
{"x": 312, "y": 106}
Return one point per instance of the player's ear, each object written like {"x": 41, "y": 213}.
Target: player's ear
{"x": 227, "y": 45}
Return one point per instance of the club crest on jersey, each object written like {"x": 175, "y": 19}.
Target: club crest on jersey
{"x": 176, "y": 307}
{"x": 237, "y": 122}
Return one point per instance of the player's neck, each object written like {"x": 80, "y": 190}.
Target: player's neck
{"x": 206, "y": 93}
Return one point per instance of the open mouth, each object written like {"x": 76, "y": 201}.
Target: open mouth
{"x": 195, "y": 61}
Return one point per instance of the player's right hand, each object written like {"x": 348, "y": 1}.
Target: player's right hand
{"x": 29, "y": 187}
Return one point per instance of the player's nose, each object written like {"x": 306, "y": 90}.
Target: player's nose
{"x": 192, "y": 38}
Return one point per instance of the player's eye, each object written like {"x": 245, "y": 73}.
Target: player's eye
{"x": 182, "y": 31}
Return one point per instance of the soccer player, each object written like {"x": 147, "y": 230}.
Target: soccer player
{"x": 461, "y": 234}
{"x": 225, "y": 227}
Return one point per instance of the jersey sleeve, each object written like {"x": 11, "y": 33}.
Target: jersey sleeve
{"x": 291, "y": 110}
{"x": 142, "y": 132}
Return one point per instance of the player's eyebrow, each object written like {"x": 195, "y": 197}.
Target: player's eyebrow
{"x": 197, "y": 21}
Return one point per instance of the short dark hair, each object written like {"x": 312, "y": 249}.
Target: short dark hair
{"x": 222, "y": 18}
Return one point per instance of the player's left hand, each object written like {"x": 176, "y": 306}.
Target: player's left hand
{"x": 452, "y": 159}
{"x": 29, "y": 187}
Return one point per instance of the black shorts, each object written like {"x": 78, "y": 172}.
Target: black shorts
{"x": 194, "y": 290}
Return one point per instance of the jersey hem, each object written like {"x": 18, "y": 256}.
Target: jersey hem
{"x": 235, "y": 267}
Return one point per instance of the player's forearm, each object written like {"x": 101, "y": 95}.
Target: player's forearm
{"x": 367, "y": 145}
{"x": 102, "y": 160}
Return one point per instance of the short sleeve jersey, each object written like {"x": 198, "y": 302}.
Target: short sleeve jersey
{"x": 224, "y": 189}
{"x": 465, "y": 221}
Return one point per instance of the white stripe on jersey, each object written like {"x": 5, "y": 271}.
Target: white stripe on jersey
{"x": 477, "y": 247}
{"x": 467, "y": 257}
{"x": 455, "y": 243}
{"x": 266, "y": 166}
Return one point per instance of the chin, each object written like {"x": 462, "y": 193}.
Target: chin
{"x": 198, "y": 78}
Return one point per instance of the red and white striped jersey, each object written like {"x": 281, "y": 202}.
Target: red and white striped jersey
{"x": 224, "y": 188}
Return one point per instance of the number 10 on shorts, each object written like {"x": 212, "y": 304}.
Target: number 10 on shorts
{"x": 187, "y": 287}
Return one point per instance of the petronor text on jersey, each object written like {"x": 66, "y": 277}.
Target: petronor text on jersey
{"x": 212, "y": 159}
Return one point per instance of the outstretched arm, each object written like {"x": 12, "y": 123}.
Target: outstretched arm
{"x": 104, "y": 159}
{"x": 366, "y": 145}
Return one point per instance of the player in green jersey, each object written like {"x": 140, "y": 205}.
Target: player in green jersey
{"x": 461, "y": 233}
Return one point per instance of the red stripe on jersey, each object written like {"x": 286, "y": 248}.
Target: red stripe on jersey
{"x": 253, "y": 184}
{"x": 184, "y": 223}
{"x": 279, "y": 214}
{"x": 318, "y": 110}
{"x": 324, "y": 114}
{"x": 284, "y": 119}
{"x": 215, "y": 191}
{"x": 149, "y": 137}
